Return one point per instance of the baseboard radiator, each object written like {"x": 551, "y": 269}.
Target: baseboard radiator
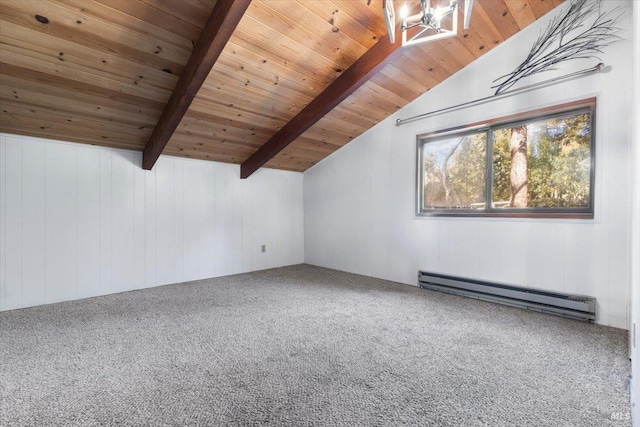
{"x": 578, "y": 307}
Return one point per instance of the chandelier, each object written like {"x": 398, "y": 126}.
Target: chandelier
{"x": 433, "y": 21}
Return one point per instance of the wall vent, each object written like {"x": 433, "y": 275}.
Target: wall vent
{"x": 577, "y": 307}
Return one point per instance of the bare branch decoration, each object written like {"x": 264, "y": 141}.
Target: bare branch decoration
{"x": 567, "y": 37}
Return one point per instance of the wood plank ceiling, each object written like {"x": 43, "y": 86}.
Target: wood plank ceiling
{"x": 101, "y": 71}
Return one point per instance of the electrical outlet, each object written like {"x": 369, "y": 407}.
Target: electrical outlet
{"x": 263, "y": 248}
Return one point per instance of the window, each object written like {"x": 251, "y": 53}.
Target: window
{"x": 536, "y": 165}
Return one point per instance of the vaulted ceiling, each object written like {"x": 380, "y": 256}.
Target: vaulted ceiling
{"x": 102, "y": 71}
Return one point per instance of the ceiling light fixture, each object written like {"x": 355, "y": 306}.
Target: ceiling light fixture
{"x": 431, "y": 23}
{"x": 390, "y": 19}
{"x": 427, "y": 26}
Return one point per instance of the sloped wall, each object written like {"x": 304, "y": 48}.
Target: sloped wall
{"x": 78, "y": 221}
{"x": 359, "y": 202}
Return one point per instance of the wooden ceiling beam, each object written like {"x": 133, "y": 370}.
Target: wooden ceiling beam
{"x": 222, "y": 22}
{"x": 355, "y": 76}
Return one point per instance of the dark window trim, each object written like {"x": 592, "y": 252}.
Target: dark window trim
{"x": 488, "y": 126}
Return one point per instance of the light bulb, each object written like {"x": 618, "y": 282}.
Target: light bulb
{"x": 404, "y": 11}
{"x": 440, "y": 12}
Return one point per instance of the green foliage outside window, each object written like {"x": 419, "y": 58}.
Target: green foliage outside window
{"x": 558, "y": 163}
{"x": 454, "y": 174}
{"x": 536, "y": 166}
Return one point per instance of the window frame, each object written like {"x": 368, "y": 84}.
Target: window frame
{"x": 489, "y": 127}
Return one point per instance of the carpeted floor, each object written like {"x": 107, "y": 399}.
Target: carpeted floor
{"x": 305, "y": 346}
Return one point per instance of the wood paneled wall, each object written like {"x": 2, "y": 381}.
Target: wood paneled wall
{"x": 360, "y": 202}
{"x": 79, "y": 221}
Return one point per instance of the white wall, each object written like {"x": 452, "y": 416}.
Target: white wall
{"x": 359, "y": 202}
{"x": 635, "y": 218}
{"x": 78, "y": 221}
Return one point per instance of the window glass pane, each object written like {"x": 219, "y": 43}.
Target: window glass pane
{"x": 543, "y": 164}
{"x": 454, "y": 172}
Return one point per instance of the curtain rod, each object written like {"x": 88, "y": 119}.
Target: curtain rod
{"x": 598, "y": 67}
